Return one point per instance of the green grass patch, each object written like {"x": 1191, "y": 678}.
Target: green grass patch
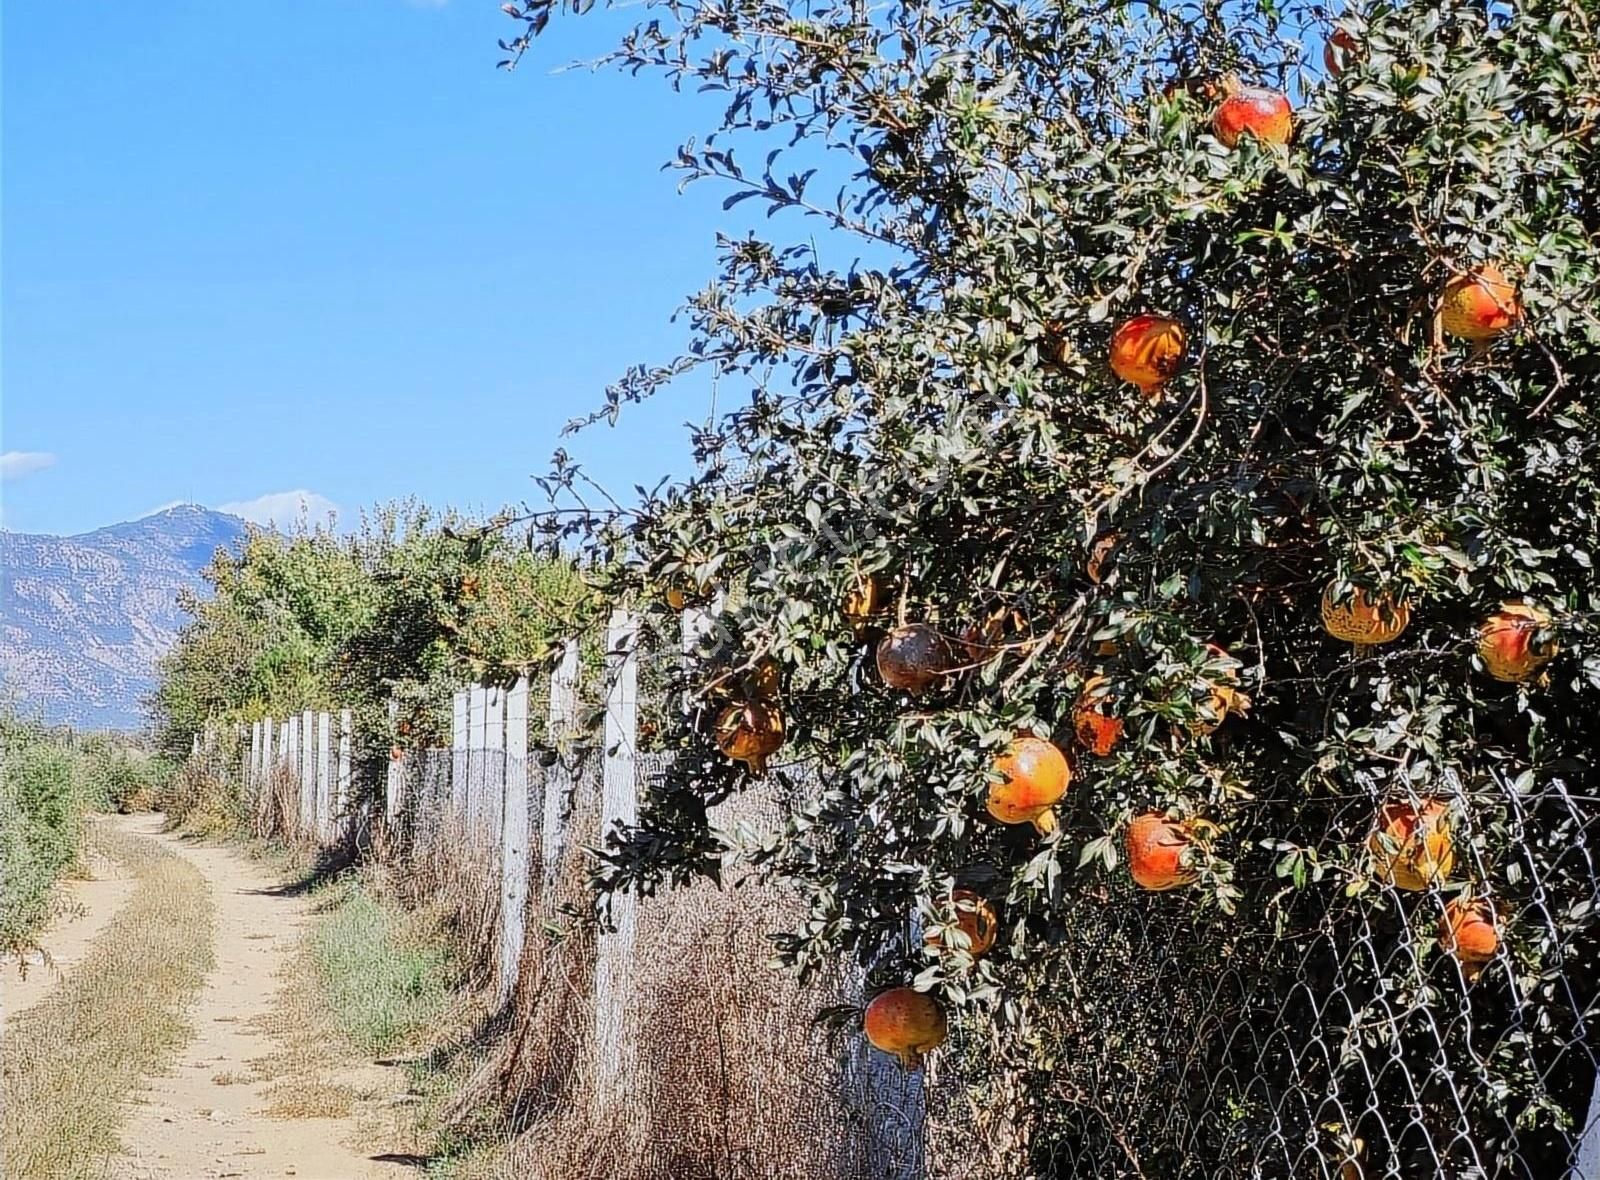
{"x": 384, "y": 981}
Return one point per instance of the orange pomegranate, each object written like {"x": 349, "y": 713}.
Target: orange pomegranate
{"x": 865, "y": 599}
{"x": 1158, "y": 852}
{"x": 1147, "y": 350}
{"x": 1412, "y": 847}
{"x": 1222, "y": 697}
{"x": 765, "y": 680}
{"x": 1032, "y": 777}
{"x": 1479, "y": 304}
{"x": 975, "y": 918}
{"x": 1098, "y": 731}
{"x": 905, "y": 1023}
{"x": 1364, "y": 619}
{"x": 1469, "y": 933}
{"x": 750, "y": 733}
{"x": 1509, "y": 643}
{"x": 1339, "y": 51}
{"x": 1253, "y": 110}
{"x": 913, "y": 658}
{"x": 1100, "y": 554}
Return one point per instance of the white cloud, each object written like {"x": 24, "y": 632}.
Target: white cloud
{"x": 284, "y": 510}
{"x": 18, "y": 464}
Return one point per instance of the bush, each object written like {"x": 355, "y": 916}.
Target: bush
{"x": 44, "y": 791}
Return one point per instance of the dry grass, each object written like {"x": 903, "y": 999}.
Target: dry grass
{"x": 71, "y": 1060}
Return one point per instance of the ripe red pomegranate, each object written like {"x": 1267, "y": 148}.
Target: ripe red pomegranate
{"x": 1509, "y": 645}
{"x": 1033, "y": 775}
{"x": 750, "y": 733}
{"x": 1158, "y": 852}
{"x": 905, "y": 1023}
{"x": 975, "y": 918}
{"x": 1096, "y": 725}
{"x": 1253, "y": 110}
{"x": 1146, "y": 351}
{"x": 1469, "y": 933}
{"x": 1339, "y": 51}
{"x": 1479, "y": 304}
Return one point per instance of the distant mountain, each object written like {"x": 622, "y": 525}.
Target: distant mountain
{"x": 83, "y": 619}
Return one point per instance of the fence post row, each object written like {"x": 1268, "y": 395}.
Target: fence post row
{"x": 558, "y": 782}
{"x": 618, "y": 804}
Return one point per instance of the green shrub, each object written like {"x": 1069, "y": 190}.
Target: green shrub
{"x": 42, "y": 801}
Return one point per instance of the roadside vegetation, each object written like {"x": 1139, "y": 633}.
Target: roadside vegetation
{"x": 50, "y": 780}
{"x": 71, "y": 1060}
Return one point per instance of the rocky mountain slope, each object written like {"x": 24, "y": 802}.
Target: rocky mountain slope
{"x": 83, "y": 619}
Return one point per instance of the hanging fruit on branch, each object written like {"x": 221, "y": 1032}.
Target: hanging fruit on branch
{"x": 905, "y": 1023}
{"x": 764, "y": 681}
{"x": 1147, "y": 351}
{"x": 750, "y": 732}
{"x": 1364, "y": 619}
{"x": 1479, "y": 304}
{"x": 1223, "y": 697}
{"x": 1159, "y": 856}
{"x": 1098, "y": 730}
{"x": 1339, "y": 52}
{"x": 914, "y": 657}
{"x": 1033, "y": 775}
{"x": 975, "y": 918}
{"x": 865, "y": 600}
{"x": 1412, "y": 847}
{"x": 1469, "y": 933}
{"x": 1513, "y": 642}
{"x": 1253, "y": 110}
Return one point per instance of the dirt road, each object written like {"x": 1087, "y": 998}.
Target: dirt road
{"x": 208, "y": 1118}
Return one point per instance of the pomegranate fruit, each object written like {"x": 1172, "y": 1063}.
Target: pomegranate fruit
{"x": 1157, "y": 850}
{"x": 975, "y": 918}
{"x": 1147, "y": 350}
{"x": 865, "y": 600}
{"x": 1364, "y": 619}
{"x": 1253, "y": 110}
{"x": 1339, "y": 51}
{"x": 1479, "y": 304}
{"x": 913, "y": 658}
{"x": 1097, "y": 730}
{"x": 750, "y": 733}
{"x": 1033, "y": 775}
{"x": 1222, "y": 698}
{"x": 1412, "y": 847}
{"x": 1469, "y": 933}
{"x": 1509, "y": 643}
{"x": 905, "y": 1023}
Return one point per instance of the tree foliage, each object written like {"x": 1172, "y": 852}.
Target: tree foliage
{"x": 1018, "y": 179}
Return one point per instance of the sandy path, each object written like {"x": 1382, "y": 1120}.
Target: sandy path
{"x": 90, "y": 904}
{"x": 188, "y": 1126}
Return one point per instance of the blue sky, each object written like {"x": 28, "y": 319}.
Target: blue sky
{"x": 325, "y": 245}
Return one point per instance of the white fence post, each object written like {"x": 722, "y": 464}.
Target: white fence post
{"x": 618, "y": 804}
{"x": 308, "y": 774}
{"x": 477, "y": 743}
{"x": 394, "y": 776}
{"x": 491, "y": 795}
{"x": 515, "y": 835}
{"x": 292, "y": 727}
{"x": 460, "y": 739}
{"x": 324, "y": 783}
{"x": 563, "y": 719}
{"x": 341, "y": 797}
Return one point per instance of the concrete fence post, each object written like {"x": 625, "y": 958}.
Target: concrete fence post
{"x": 343, "y": 782}
{"x": 394, "y": 776}
{"x": 563, "y": 720}
{"x": 292, "y": 725}
{"x": 308, "y": 774}
{"x": 324, "y": 721}
{"x": 477, "y": 743}
{"x": 515, "y": 836}
{"x": 460, "y": 739}
{"x": 618, "y": 805}
{"x": 491, "y": 798}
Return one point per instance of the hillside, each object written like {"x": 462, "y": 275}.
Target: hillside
{"x": 83, "y": 619}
